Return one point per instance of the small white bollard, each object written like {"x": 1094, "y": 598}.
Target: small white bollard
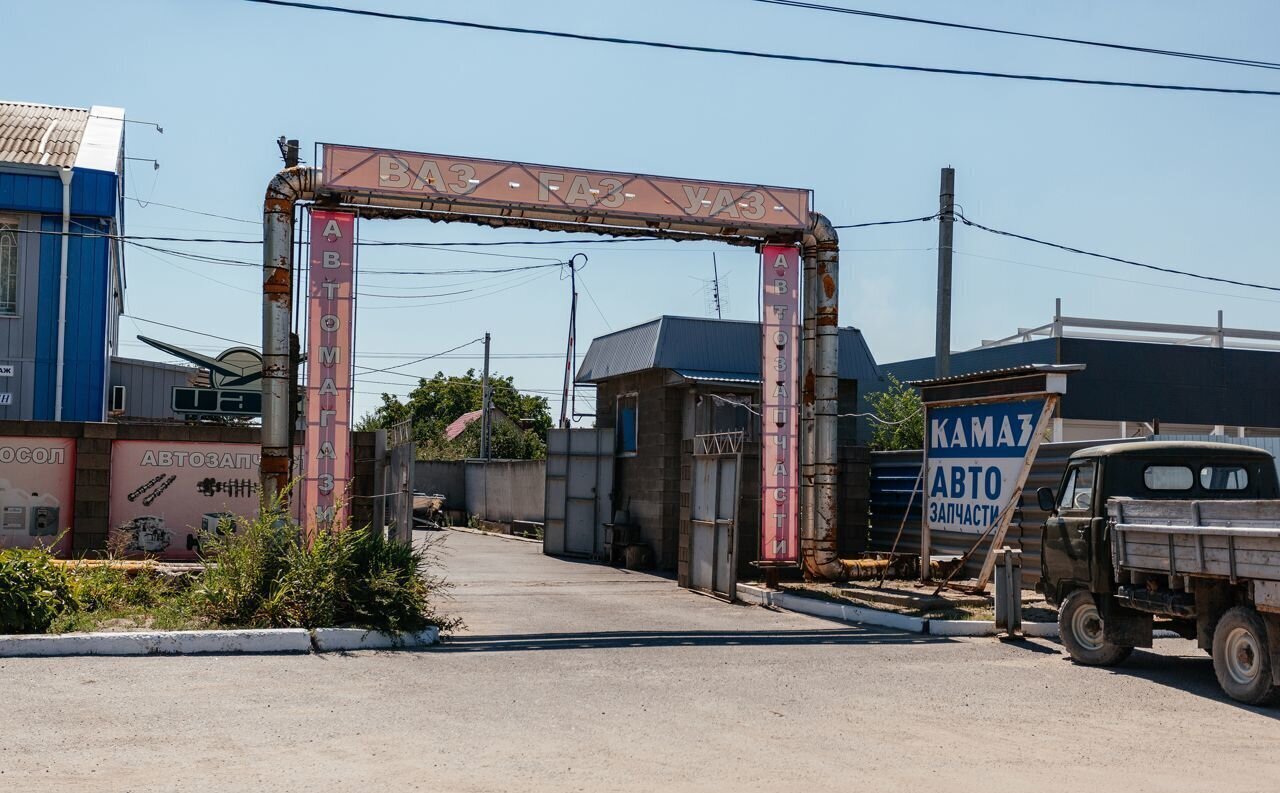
{"x": 1009, "y": 591}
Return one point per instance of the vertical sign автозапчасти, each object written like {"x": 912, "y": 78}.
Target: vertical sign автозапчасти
{"x": 329, "y": 332}
{"x": 780, "y": 360}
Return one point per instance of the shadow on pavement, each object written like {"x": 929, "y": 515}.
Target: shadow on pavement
{"x": 605, "y": 640}
{"x": 1191, "y": 674}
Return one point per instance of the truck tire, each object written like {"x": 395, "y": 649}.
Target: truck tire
{"x": 1241, "y": 659}
{"x": 1080, "y": 629}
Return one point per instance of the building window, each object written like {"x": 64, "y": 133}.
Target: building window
{"x": 725, "y": 412}
{"x": 8, "y": 266}
{"x": 628, "y": 408}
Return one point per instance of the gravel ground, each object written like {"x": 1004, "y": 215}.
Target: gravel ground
{"x": 573, "y": 676}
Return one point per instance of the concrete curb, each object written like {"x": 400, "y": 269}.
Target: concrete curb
{"x": 885, "y": 619}
{"x": 329, "y": 640}
{"x": 468, "y": 530}
{"x": 272, "y": 641}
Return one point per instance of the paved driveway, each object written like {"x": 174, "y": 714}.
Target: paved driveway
{"x": 573, "y": 676}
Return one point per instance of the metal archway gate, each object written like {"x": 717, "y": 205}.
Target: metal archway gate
{"x": 385, "y": 184}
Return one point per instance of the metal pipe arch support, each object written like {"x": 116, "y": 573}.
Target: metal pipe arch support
{"x": 288, "y": 187}
{"x": 819, "y": 550}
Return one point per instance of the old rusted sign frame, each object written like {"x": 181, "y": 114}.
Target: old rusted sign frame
{"x": 464, "y": 185}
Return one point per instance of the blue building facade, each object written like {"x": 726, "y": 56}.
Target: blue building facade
{"x": 59, "y": 165}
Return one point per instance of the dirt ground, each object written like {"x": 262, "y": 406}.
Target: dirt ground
{"x": 578, "y": 677}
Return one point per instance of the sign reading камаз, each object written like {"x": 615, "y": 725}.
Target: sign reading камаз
{"x": 975, "y": 457}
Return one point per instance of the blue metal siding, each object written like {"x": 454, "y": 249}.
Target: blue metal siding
{"x": 84, "y": 368}
{"x": 21, "y": 192}
{"x": 92, "y": 193}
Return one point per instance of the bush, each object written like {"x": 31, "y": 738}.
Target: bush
{"x": 266, "y": 575}
{"x": 33, "y": 590}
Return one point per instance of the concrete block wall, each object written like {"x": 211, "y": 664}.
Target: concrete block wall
{"x": 648, "y": 482}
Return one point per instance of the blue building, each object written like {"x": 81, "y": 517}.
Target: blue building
{"x": 61, "y": 268}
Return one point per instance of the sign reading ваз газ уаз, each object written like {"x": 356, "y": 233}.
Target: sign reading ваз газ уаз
{"x": 975, "y": 454}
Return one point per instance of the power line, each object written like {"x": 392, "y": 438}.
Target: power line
{"x": 1193, "y": 290}
{"x": 557, "y": 34}
{"x": 420, "y": 360}
{"x": 1023, "y": 34}
{"x": 1117, "y": 259}
{"x": 887, "y": 222}
{"x": 146, "y": 204}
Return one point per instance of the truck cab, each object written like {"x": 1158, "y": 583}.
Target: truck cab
{"x": 1074, "y": 550}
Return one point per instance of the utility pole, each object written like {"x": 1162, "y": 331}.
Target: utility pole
{"x": 486, "y": 420}
{"x": 566, "y": 411}
{"x": 946, "y": 221}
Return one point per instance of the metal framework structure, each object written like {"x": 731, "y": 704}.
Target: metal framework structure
{"x": 1218, "y": 335}
{"x": 767, "y": 215}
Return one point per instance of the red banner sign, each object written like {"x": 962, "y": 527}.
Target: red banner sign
{"x": 496, "y": 183}
{"x": 780, "y": 406}
{"x": 330, "y": 324}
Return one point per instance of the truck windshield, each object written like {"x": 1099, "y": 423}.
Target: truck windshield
{"x": 1077, "y": 491}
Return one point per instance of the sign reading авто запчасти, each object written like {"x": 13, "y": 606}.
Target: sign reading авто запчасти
{"x": 779, "y": 414}
{"x": 975, "y": 455}
{"x": 353, "y": 169}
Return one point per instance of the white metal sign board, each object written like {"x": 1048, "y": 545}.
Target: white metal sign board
{"x": 976, "y": 455}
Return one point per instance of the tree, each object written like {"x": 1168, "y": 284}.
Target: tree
{"x": 901, "y": 417}
{"x": 436, "y": 403}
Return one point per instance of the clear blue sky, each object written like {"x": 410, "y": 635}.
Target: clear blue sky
{"x": 1183, "y": 180}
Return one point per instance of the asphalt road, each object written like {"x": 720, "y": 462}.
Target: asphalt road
{"x": 573, "y": 676}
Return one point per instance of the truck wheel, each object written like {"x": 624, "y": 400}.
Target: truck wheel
{"x": 1080, "y": 629}
{"x": 1241, "y": 658}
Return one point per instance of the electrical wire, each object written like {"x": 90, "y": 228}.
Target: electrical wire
{"x": 887, "y": 222}
{"x": 423, "y": 358}
{"x": 192, "y": 211}
{"x": 557, "y": 34}
{"x": 1023, "y": 34}
{"x": 1082, "y": 252}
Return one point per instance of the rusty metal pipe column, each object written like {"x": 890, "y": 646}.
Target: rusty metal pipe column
{"x": 808, "y": 360}
{"x": 818, "y": 544}
{"x": 285, "y": 190}
{"x": 826, "y": 391}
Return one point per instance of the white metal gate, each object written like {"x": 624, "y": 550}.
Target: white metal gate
{"x": 579, "y": 491}
{"x": 713, "y": 512}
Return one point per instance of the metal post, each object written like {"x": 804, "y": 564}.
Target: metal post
{"x": 485, "y": 400}
{"x": 946, "y": 222}
{"x": 1009, "y": 591}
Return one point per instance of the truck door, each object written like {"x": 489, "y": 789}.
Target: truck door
{"x": 1067, "y": 531}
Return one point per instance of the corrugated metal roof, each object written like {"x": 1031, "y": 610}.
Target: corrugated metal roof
{"x": 1009, "y": 371}
{"x": 41, "y": 134}
{"x": 730, "y": 349}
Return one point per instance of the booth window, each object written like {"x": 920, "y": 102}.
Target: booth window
{"x": 717, "y": 413}
{"x": 8, "y": 267}
{"x": 628, "y": 408}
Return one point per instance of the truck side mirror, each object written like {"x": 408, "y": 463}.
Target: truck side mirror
{"x": 1046, "y": 499}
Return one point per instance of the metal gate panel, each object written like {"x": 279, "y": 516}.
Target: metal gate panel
{"x": 579, "y": 494}
{"x": 713, "y": 513}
